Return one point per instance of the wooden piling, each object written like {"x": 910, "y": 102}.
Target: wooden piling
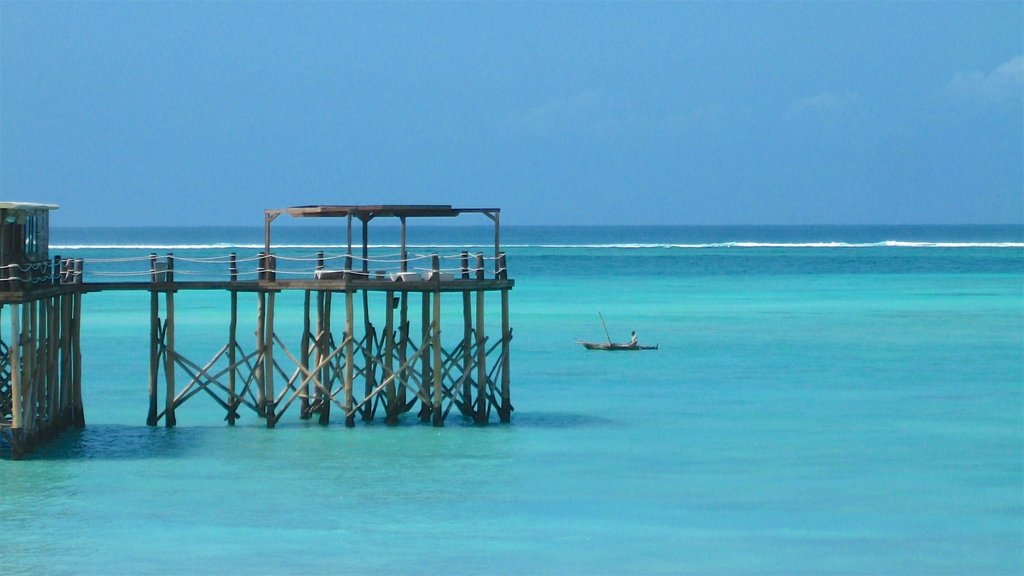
{"x": 233, "y": 400}
{"x": 261, "y": 342}
{"x": 426, "y": 374}
{"x": 18, "y": 447}
{"x": 390, "y": 395}
{"x": 323, "y": 350}
{"x": 169, "y": 369}
{"x": 505, "y": 410}
{"x": 78, "y": 412}
{"x": 349, "y": 358}
{"x": 466, "y": 406}
{"x": 480, "y": 416}
{"x": 370, "y": 370}
{"x": 67, "y": 303}
{"x": 268, "y": 362}
{"x": 304, "y": 357}
{"x": 403, "y": 348}
{"x": 438, "y": 417}
{"x": 154, "y": 341}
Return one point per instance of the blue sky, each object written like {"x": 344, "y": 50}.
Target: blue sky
{"x": 596, "y": 113}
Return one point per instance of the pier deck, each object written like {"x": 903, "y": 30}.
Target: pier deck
{"x": 386, "y": 358}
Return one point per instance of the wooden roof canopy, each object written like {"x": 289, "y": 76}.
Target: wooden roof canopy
{"x": 367, "y": 212}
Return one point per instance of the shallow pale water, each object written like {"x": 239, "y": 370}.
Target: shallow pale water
{"x": 823, "y": 401}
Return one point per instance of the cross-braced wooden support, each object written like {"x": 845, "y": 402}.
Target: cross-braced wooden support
{"x": 361, "y": 373}
{"x": 40, "y": 369}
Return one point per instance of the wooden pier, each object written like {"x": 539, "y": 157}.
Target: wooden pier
{"x": 371, "y": 345}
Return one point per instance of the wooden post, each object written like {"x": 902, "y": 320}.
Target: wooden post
{"x": 66, "y": 365}
{"x": 78, "y": 413}
{"x": 481, "y": 349}
{"x": 505, "y": 412}
{"x": 403, "y": 348}
{"x": 154, "y": 338}
{"x": 169, "y": 418}
{"x": 233, "y": 267}
{"x": 43, "y": 368}
{"x": 304, "y": 357}
{"x": 17, "y": 407}
{"x": 28, "y": 347}
{"x": 370, "y": 370}
{"x": 268, "y": 362}
{"x": 51, "y": 354}
{"x": 349, "y": 358}
{"x": 392, "y": 408}
{"x": 318, "y": 350}
{"x": 467, "y": 344}
{"x": 232, "y": 356}
{"x": 366, "y": 247}
{"x": 327, "y": 375}
{"x": 348, "y": 220}
{"x": 438, "y": 416}
{"x": 501, "y": 273}
{"x": 261, "y": 320}
{"x": 425, "y": 371}
{"x": 497, "y": 241}
{"x": 405, "y": 256}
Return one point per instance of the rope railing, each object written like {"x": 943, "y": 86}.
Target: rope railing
{"x": 164, "y": 268}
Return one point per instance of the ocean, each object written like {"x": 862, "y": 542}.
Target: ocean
{"x": 824, "y": 400}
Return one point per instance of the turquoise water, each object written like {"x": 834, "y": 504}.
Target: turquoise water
{"x": 823, "y": 402}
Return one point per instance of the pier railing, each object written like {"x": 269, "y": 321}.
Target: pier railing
{"x": 272, "y": 267}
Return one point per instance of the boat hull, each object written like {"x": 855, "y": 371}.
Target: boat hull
{"x": 614, "y": 347}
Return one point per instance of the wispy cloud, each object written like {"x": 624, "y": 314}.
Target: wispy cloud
{"x": 1002, "y": 84}
{"x": 824, "y": 104}
{"x": 589, "y": 111}
{"x": 698, "y": 118}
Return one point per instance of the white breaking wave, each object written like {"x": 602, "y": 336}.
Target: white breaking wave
{"x": 605, "y": 246}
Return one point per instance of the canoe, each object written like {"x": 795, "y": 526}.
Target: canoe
{"x": 614, "y": 346}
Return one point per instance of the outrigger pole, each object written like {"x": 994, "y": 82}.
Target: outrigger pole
{"x": 607, "y": 335}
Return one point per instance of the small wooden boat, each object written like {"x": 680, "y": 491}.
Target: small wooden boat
{"x": 609, "y": 345}
{"x": 614, "y": 346}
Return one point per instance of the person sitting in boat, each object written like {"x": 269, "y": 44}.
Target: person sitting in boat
{"x": 632, "y": 339}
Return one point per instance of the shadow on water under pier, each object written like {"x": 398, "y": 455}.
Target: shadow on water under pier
{"x": 119, "y": 442}
{"x": 123, "y": 442}
{"x": 560, "y": 420}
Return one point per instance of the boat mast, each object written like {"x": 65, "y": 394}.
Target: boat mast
{"x": 607, "y": 335}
